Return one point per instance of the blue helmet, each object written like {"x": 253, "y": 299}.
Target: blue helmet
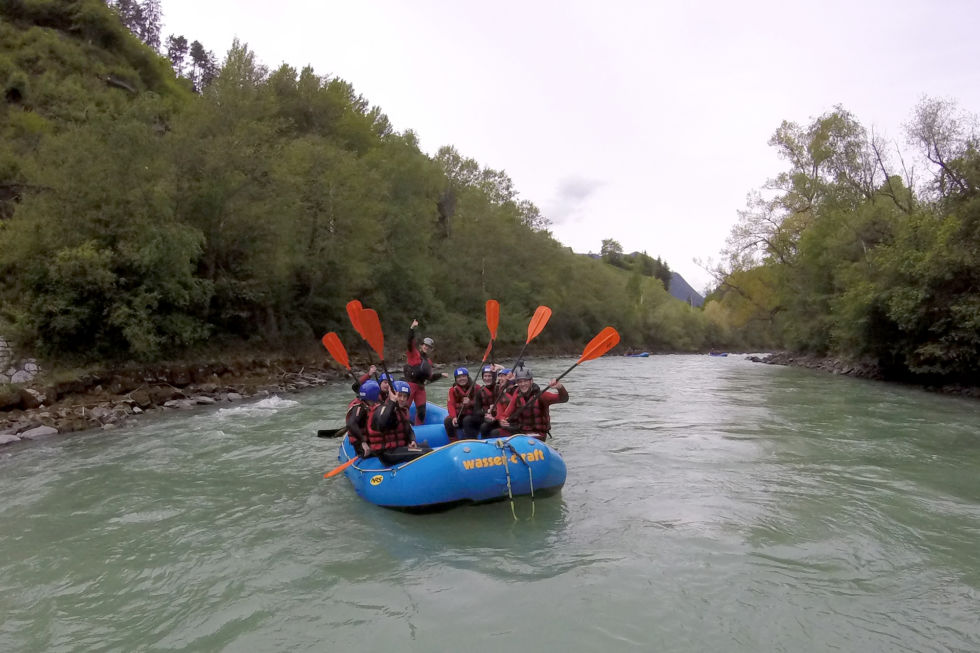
{"x": 461, "y": 371}
{"x": 505, "y": 371}
{"x": 369, "y": 390}
{"x": 385, "y": 377}
{"x": 402, "y": 386}
{"x": 487, "y": 369}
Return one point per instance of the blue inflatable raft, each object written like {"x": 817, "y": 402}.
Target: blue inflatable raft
{"x": 640, "y": 355}
{"x": 466, "y": 471}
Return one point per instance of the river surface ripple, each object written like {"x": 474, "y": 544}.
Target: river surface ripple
{"x": 712, "y": 504}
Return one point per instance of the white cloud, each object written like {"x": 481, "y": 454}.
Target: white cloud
{"x": 568, "y": 204}
{"x": 669, "y": 104}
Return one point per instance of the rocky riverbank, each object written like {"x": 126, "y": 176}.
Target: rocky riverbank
{"x": 36, "y": 405}
{"x": 112, "y": 398}
{"x": 859, "y": 369}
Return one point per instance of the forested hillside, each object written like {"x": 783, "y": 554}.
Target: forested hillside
{"x": 146, "y": 216}
{"x": 154, "y": 207}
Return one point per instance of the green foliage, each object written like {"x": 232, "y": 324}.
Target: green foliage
{"x": 928, "y": 283}
{"x": 612, "y": 252}
{"x": 856, "y": 262}
{"x": 642, "y": 264}
{"x": 674, "y": 325}
{"x": 100, "y": 258}
{"x": 141, "y": 220}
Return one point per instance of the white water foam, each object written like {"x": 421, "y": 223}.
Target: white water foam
{"x": 266, "y": 406}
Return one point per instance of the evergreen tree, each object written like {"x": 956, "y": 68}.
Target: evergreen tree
{"x": 177, "y": 49}
{"x": 141, "y": 18}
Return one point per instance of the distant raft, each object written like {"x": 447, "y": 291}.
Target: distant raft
{"x": 643, "y": 354}
{"x": 466, "y": 471}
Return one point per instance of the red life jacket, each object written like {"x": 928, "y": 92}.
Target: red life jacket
{"x": 536, "y": 418}
{"x": 455, "y": 403}
{"x": 413, "y": 356}
{"x": 485, "y": 395}
{"x": 418, "y": 367}
{"x": 400, "y": 436}
{"x": 362, "y": 422}
{"x": 503, "y": 401}
{"x": 354, "y": 402}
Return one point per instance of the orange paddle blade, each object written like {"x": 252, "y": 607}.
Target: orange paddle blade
{"x": 493, "y": 317}
{"x": 541, "y": 316}
{"x": 354, "y": 309}
{"x": 606, "y": 340}
{"x": 340, "y": 468}
{"x": 336, "y": 348}
{"x": 371, "y": 330}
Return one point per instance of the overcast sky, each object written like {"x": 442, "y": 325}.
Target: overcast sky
{"x": 646, "y": 122}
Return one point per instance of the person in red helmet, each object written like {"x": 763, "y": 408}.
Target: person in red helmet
{"x": 418, "y": 371}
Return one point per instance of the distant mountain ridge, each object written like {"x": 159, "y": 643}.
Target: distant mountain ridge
{"x": 683, "y": 291}
{"x": 679, "y": 287}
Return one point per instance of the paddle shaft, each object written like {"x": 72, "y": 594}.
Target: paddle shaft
{"x": 332, "y": 433}
{"x": 336, "y": 350}
{"x": 534, "y": 395}
{"x": 520, "y": 357}
{"x": 598, "y": 346}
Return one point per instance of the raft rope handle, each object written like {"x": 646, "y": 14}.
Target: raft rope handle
{"x": 500, "y": 444}
{"x": 510, "y": 494}
{"x": 530, "y": 475}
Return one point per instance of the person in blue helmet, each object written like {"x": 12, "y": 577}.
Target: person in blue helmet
{"x": 390, "y": 435}
{"x": 384, "y": 380}
{"x": 463, "y": 406}
{"x": 357, "y": 415}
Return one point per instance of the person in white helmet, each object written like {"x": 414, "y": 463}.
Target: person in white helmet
{"x": 418, "y": 371}
{"x": 528, "y": 411}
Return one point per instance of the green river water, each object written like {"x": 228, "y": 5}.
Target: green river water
{"x": 712, "y": 504}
